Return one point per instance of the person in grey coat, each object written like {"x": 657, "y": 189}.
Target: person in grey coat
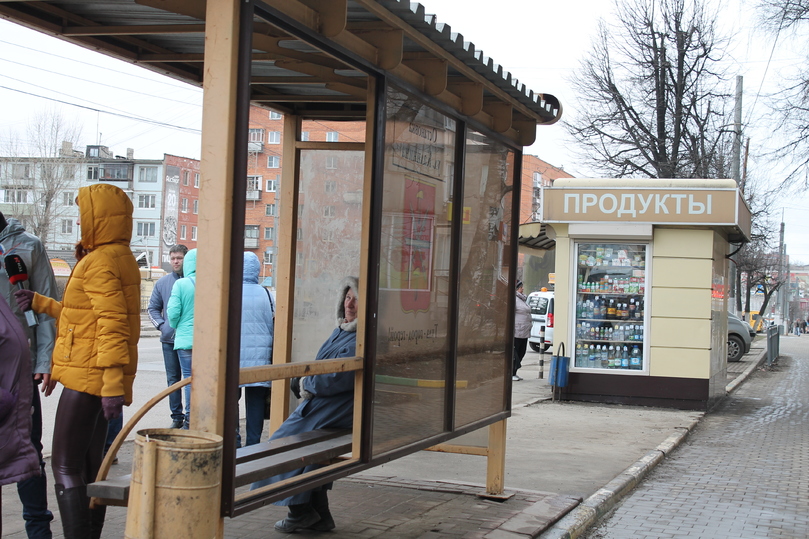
{"x": 157, "y": 314}
{"x": 18, "y": 456}
{"x": 522, "y": 330}
{"x": 14, "y": 239}
{"x": 258, "y": 313}
{"x": 328, "y": 403}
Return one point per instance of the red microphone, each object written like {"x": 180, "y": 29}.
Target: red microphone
{"x": 18, "y": 275}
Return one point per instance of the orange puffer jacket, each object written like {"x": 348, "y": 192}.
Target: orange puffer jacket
{"x": 98, "y": 319}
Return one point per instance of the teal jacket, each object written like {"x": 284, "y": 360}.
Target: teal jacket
{"x": 180, "y": 308}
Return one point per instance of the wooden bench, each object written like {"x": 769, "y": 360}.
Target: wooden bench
{"x": 254, "y": 462}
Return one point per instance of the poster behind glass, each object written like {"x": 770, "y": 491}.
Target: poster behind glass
{"x": 610, "y": 306}
{"x": 412, "y": 341}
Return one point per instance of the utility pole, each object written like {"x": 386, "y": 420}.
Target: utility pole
{"x": 735, "y": 297}
{"x": 781, "y": 278}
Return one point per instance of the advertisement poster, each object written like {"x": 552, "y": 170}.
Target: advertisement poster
{"x": 171, "y": 208}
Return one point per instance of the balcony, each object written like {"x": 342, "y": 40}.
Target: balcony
{"x": 251, "y": 243}
{"x": 254, "y": 195}
{"x": 255, "y": 147}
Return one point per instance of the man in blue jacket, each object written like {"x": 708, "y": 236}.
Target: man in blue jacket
{"x": 14, "y": 239}
{"x": 157, "y": 314}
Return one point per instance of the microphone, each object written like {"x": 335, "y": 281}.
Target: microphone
{"x": 17, "y": 275}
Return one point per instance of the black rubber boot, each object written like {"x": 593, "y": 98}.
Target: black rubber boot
{"x": 299, "y": 517}
{"x": 97, "y": 521}
{"x": 74, "y": 509}
{"x": 320, "y": 503}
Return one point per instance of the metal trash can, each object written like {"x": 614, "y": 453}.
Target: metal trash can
{"x": 175, "y": 486}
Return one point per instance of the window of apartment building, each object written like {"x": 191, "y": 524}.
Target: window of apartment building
{"x": 184, "y": 205}
{"x": 300, "y": 211}
{"x": 116, "y": 172}
{"x": 537, "y": 179}
{"x": 331, "y": 186}
{"x": 273, "y": 161}
{"x": 328, "y": 211}
{"x": 68, "y": 198}
{"x": 183, "y": 231}
{"x": 185, "y": 177}
{"x": 300, "y": 234}
{"x": 193, "y": 233}
{"x": 269, "y": 210}
{"x": 254, "y": 183}
{"x": 196, "y": 206}
{"x": 299, "y": 259}
{"x": 304, "y": 136}
{"x": 92, "y": 172}
{"x": 67, "y": 226}
{"x": 275, "y": 115}
{"x": 274, "y": 137}
{"x": 146, "y": 201}
{"x": 271, "y": 186}
{"x": 93, "y": 152}
{"x": 16, "y": 196}
{"x": 332, "y": 136}
{"x": 148, "y": 174}
{"x": 251, "y": 231}
{"x": 255, "y": 135}
{"x": 146, "y": 229}
{"x": 268, "y": 258}
{"x": 20, "y": 171}
{"x": 196, "y": 180}
{"x": 269, "y": 233}
{"x": 331, "y": 162}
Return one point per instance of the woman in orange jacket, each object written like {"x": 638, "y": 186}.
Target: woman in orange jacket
{"x": 95, "y": 357}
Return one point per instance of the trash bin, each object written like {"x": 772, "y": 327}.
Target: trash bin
{"x": 559, "y": 367}
{"x": 175, "y": 486}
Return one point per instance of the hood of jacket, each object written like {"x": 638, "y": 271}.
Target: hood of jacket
{"x": 252, "y": 267}
{"x": 349, "y": 283}
{"x": 190, "y": 264}
{"x": 105, "y": 214}
{"x": 13, "y": 226}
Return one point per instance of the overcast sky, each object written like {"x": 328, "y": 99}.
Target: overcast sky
{"x": 540, "y": 43}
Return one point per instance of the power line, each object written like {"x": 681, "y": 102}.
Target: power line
{"x": 128, "y": 117}
{"x": 106, "y": 69}
{"x": 98, "y": 83}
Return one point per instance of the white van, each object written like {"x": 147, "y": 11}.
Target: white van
{"x": 541, "y": 304}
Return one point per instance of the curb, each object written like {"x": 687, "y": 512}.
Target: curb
{"x": 580, "y": 519}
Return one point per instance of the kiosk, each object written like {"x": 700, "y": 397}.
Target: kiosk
{"x": 641, "y": 280}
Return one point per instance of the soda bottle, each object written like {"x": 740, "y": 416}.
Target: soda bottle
{"x": 611, "y": 310}
{"x": 635, "y": 358}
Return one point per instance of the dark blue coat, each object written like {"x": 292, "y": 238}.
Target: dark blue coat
{"x": 331, "y": 407}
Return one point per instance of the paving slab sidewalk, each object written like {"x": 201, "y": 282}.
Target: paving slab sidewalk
{"x": 567, "y": 463}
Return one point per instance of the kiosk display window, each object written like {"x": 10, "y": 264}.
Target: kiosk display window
{"x": 611, "y": 304}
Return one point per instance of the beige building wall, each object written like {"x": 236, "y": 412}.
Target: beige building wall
{"x": 686, "y": 327}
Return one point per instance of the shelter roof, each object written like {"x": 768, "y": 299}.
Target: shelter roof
{"x": 292, "y": 72}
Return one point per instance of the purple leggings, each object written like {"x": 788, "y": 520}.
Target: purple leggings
{"x": 78, "y": 439}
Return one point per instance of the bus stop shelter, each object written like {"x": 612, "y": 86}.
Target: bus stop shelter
{"x": 427, "y": 220}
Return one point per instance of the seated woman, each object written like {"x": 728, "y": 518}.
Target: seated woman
{"x": 328, "y": 402}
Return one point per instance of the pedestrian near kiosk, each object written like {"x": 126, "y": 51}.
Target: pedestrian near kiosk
{"x": 14, "y": 239}
{"x": 258, "y": 313}
{"x": 95, "y": 356}
{"x": 158, "y": 302}
{"x": 522, "y": 330}
{"x": 180, "y": 314}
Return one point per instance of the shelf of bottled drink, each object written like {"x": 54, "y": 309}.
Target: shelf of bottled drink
{"x": 610, "y": 304}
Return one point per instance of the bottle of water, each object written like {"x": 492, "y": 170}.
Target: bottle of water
{"x": 635, "y": 359}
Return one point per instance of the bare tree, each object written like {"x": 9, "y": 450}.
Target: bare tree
{"x": 790, "y": 104}
{"x": 653, "y": 93}
{"x": 41, "y": 173}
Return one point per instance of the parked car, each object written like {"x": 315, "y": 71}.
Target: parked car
{"x": 541, "y": 304}
{"x": 740, "y": 335}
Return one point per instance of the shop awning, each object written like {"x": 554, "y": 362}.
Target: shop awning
{"x": 536, "y": 236}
